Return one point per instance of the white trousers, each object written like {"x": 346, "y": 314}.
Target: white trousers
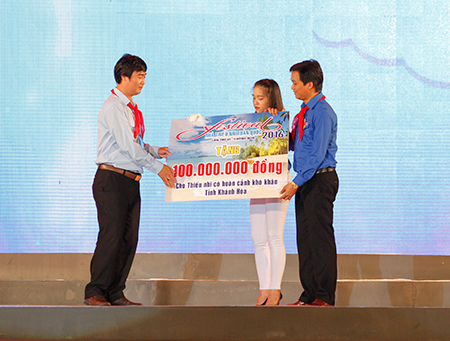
{"x": 267, "y": 217}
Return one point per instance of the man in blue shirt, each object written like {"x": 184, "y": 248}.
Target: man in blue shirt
{"x": 121, "y": 157}
{"x": 313, "y": 140}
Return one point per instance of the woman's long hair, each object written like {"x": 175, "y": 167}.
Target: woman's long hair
{"x": 273, "y": 90}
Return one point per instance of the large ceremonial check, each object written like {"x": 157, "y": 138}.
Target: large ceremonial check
{"x": 229, "y": 157}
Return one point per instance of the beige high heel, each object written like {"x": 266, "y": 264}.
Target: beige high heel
{"x": 262, "y": 298}
{"x": 275, "y": 297}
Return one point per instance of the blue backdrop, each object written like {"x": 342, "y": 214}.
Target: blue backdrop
{"x": 386, "y": 66}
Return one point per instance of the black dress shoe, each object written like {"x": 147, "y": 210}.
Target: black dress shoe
{"x": 124, "y": 301}
{"x": 298, "y": 303}
{"x": 316, "y": 303}
{"x": 319, "y": 303}
{"x": 98, "y": 300}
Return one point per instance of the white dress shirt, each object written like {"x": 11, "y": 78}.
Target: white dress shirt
{"x": 116, "y": 144}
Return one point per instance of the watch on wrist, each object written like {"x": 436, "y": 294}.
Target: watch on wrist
{"x": 294, "y": 185}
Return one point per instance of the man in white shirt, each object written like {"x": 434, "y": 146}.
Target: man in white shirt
{"x": 121, "y": 157}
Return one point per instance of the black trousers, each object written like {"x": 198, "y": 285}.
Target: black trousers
{"x": 315, "y": 237}
{"x": 118, "y": 203}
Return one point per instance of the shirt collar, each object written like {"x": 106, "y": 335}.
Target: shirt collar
{"x": 124, "y": 98}
{"x": 313, "y": 101}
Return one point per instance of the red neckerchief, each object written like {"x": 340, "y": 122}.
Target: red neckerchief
{"x": 300, "y": 118}
{"x": 139, "y": 128}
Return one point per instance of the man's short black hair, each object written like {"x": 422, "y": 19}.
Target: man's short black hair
{"x": 127, "y": 65}
{"x": 309, "y": 71}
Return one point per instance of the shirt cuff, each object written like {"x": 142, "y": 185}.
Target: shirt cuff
{"x": 298, "y": 181}
{"x": 156, "y": 167}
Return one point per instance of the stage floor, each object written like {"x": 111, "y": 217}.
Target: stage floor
{"x": 212, "y": 296}
{"x": 223, "y": 323}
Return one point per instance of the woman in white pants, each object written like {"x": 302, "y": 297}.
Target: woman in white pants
{"x": 267, "y": 216}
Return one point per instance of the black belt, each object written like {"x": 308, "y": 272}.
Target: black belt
{"x": 128, "y": 174}
{"x": 325, "y": 170}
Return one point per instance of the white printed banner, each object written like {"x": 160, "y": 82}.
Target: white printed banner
{"x": 229, "y": 157}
